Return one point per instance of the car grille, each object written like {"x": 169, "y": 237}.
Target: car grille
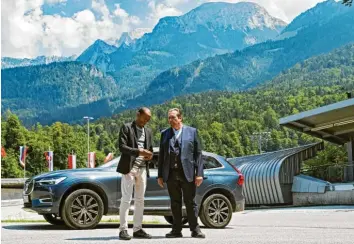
{"x": 28, "y": 187}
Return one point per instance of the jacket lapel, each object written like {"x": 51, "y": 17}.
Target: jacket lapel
{"x": 183, "y": 135}
{"x": 135, "y": 133}
{"x": 147, "y": 138}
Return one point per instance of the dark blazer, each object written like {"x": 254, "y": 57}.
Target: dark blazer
{"x": 128, "y": 146}
{"x": 191, "y": 153}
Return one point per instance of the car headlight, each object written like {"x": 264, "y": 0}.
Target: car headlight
{"x": 51, "y": 181}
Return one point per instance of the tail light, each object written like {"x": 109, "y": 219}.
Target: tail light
{"x": 241, "y": 178}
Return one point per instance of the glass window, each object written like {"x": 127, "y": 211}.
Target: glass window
{"x": 211, "y": 163}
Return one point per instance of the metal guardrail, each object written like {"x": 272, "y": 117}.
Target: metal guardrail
{"x": 332, "y": 173}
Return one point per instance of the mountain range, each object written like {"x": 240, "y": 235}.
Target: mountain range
{"x": 129, "y": 38}
{"x": 245, "y": 69}
{"x": 7, "y": 62}
{"x": 210, "y": 29}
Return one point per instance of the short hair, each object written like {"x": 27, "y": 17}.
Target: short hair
{"x": 179, "y": 112}
{"x": 143, "y": 110}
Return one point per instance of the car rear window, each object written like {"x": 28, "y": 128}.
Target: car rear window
{"x": 211, "y": 163}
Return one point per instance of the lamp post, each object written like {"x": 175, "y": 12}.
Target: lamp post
{"x": 260, "y": 136}
{"x": 88, "y": 133}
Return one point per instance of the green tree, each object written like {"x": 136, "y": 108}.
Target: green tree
{"x": 10, "y": 167}
{"x": 15, "y": 133}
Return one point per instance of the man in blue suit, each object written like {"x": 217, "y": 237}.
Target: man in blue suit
{"x": 181, "y": 167}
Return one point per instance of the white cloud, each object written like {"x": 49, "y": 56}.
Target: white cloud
{"x": 55, "y": 1}
{"x": 125, "y": 17}
{"x": 286, "y": 10}
{"x": 174, "y": 3}
{"x": 134, "y": 20}
{"x": 120, "y": 12}
{"x": 101, "y": 7}
{"x": 160, "y": 10}
{"x": 27, "y": 32}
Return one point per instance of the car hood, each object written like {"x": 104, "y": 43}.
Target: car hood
{"x": 69, "y": 172}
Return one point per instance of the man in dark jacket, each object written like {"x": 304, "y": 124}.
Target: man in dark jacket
{"x": 135, "y": 145}
{"x": 181, "y": 167}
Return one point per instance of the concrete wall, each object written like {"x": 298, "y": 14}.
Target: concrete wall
{"x": 12, "y": 188}
{"x": 327, "y": 198}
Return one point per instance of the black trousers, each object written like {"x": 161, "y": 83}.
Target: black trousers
{"x": 178, "y": 186}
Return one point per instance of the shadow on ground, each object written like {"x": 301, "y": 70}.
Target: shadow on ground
{"x": 49, "y": 227}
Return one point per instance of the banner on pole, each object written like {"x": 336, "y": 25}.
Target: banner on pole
{"x": 22, "y": 158}
{"x": 91, "y": 160}
{"x": 49, "y": 158}
{"x": 72, "y": 161}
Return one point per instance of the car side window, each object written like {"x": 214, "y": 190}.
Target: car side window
{"x": 211, "y": 163}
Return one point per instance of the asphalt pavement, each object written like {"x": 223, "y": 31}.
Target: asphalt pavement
{"x": 330, "y": 224}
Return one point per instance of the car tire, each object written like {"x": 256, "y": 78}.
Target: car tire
{"x": 83, "y": 209}
{"x": 53, "y": 219}
{"x": 216, "y": 211}
{"x": 169, "y": 219}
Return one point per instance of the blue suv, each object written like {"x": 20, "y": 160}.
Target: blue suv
{"x": 79, "y": 198}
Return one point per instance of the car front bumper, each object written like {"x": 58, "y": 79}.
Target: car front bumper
{"x": 42, "y": 199}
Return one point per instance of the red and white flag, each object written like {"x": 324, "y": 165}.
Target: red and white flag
{"x": 72, "y": 161}
{"x": 91, "y": 160}
{"x": 108, "y": 157}
{"x": 3, "y": 152}
{"x": 23, "y": 154}
{"x": 49, "y": 158}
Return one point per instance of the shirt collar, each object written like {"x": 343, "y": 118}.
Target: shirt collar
{"x": 174, "y": 130}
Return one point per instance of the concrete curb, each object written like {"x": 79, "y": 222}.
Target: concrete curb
{"x": 9, "y": 203}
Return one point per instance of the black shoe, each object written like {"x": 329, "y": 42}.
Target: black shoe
{"x": 123, "y": 235}
{"x": 141, "y": 234}
{"x": 198, "y": 234}
{"x": 174, "y": 234}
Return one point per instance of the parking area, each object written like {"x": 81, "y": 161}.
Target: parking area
{"x": 330, "y": 224}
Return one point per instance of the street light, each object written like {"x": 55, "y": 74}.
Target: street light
{"x": 88, "y": 133}
{"x": 260, "y": 136}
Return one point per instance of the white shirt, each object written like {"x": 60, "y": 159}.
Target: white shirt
{"x": 178, "y": 133}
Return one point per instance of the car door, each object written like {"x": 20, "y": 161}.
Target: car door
{"x": 156, "y": 198}
{"x": 209, "y": 164}
{"x": 112, "y": 181}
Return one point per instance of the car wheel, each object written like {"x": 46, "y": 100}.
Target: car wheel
{"x": 83, "y": 209}
{"x": 169, "y": 219}
{"x": 216, "y": 211}
{"x": 53, "y": 219}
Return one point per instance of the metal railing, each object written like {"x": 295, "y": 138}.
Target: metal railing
{"x": 332, "y": 173}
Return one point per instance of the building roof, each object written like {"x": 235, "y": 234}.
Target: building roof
{"x": 268, "y": 175}
{"x": 334, "y": 122}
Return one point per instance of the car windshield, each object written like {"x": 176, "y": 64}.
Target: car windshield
{"x": 112, "y": 163}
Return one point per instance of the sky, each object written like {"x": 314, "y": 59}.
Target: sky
{"x": 30, "y": 28}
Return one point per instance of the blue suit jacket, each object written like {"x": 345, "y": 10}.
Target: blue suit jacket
{"x": 191, "y": 153}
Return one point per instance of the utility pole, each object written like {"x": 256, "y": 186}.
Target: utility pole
{"x": 88, "y": 133}
{"x": 260, "y": 137}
